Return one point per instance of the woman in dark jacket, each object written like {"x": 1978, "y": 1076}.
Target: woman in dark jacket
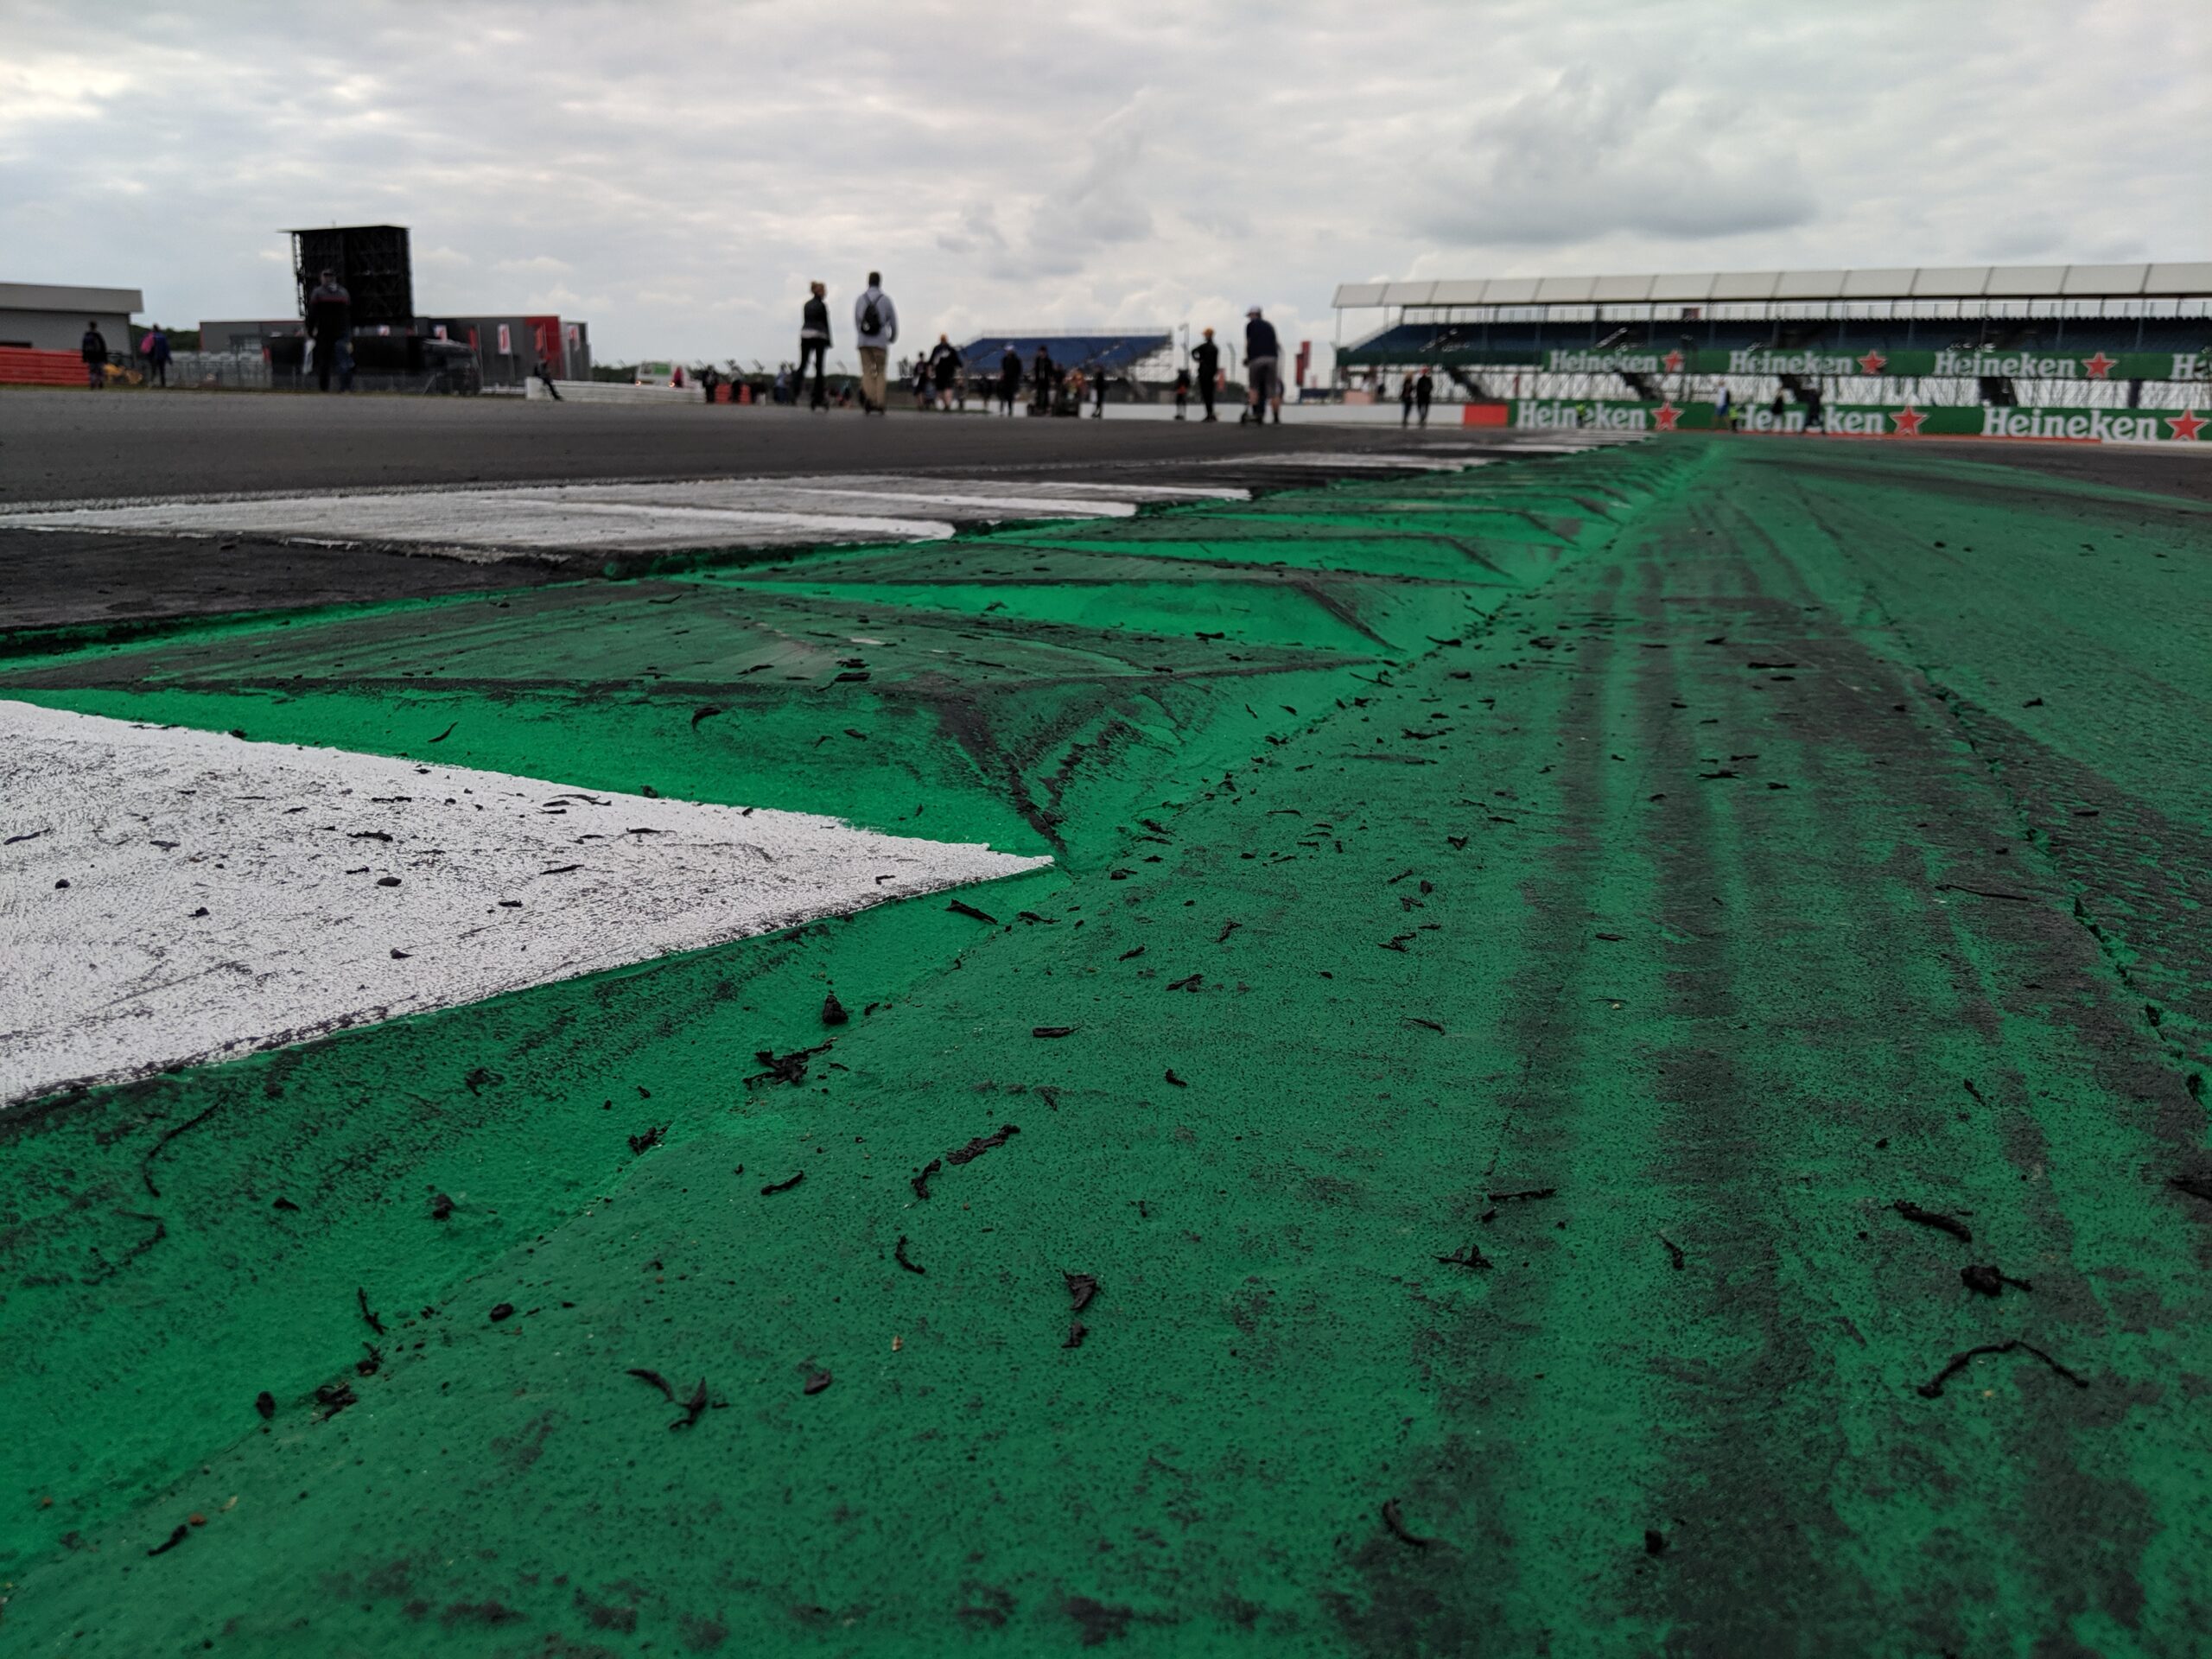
{"x": 814, "y": 339}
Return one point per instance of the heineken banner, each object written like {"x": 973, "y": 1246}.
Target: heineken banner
{"x": 1869, "y": 421}
{"x": 1954, "y": 362}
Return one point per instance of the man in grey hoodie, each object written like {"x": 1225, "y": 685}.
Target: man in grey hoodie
{"x": 877, "y": 320}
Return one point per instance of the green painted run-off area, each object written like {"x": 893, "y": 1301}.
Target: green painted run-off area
{"x": 1518, "y": 936}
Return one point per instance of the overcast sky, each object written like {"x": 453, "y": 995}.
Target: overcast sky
{"x": 674, "y": 173}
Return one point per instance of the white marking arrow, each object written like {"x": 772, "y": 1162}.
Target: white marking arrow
{"x": 170, "y": 897}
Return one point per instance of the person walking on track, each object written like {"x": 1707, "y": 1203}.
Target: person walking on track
{"x": 1261, "y": 353}
{"x": 877, "y": 320}
{"x": 814, "y": 342}
{"x": 1424, "y": 392}
{"x": 1010, "y": 379}
{"x": 93, "y": 349}
{"x": 330, "y": 321}
{"x": 1406, "y": 401}
{"x": 1044, "y": 377}
{"x": 945, "y": 369}
{"x": 154, "y": 348}
{"x": 1205, "y": 363}
{"x": 1183, "y": 393}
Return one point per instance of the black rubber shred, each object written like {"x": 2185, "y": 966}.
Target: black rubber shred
{"x": 367, "y": 1317}
{"x": 644, "y": 1143}
{"x": 1395, "y": 1522}
{"x": 441, "y": 1206}
{"x": 1526, "y": 1192}
{"x": 1415, "y": 1019}
{"x": 693, "y": 1407}
{"x": 283, "y": 1203}
{"x": 1228, "y": 930}
{"x": 1077, "y": 1331}
{"x": 1655, "y": 1542}
{"x": 960, "y": 908}
{"x": 786, "y": 1068}
{"x": 1128, "y": 955}
{"x": 265, "y": 1403}
{"x": 2197, "y": 1187}
{"x": 656, "y": 1379}
{"x": 1081, "y": 1288}
{"x": 898, "y": 1255}
{"x": 446, "y": 733}
{"x": 171, "y": 1542}
{"x": 1051, "y": 1030}
{"x": 921, "y": 1182}
{"x": 783, "y": 1186}
{"x": 818, "y": 1382}
{"x": 1986, "y": 1278}
{"x": 706, "y": 711}
{"x": 1189, "y": 984}
{"x": 833, "y": 1011}
{"x": 1169, "y": 1077}
{"x": 980, "y": 1145}
{"x": 334, "y": 1397}
{"x": 1673, "y": 1250}
{"x": 504, "y": 1310}
{"x": 1467, "y": 1255}
{"x": 1942, "y": 1222}
{"x": 1934, "y": 1386}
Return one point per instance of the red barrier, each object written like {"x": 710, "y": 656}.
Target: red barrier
{"x": 21, "y": 367}
{"x": 1482, "y": 415}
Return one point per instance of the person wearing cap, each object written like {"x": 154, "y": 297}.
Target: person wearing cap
{"x": 1262, "y": 353}
{"x": 1205, "y": 361}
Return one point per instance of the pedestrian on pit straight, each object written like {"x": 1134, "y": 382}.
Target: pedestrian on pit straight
{"x": 154, "y": 348}
{"x": 1424, "y": 391}
{"x": 1405, "y": 402}
{"x": 1261, "y": 353}
{"x": 1183, "y": 393}
{"x": 814, "y": 342}
{"x": 329, "y": 320}
{"x": 93, "y": 349}
{"x": 945, "y": 369}
{"x": 1010, "y": 379}
{"x": 877, "y": 321}
{"x": 1780, "y": 411}
{"x": 1098, "y": 397}
{"x": 1205, "y": 361}
{"x": 1044, "y": 376}
{"x": 544, "y": 373}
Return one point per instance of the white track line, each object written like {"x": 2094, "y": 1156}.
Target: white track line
{"x": 169, "y": 897}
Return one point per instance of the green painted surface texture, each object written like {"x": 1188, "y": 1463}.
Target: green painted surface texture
{"x": 1517, "y": 935}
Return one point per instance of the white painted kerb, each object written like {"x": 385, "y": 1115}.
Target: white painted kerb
{"x": 503, "y": 882}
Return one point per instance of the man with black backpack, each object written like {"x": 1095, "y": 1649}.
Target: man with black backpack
{"x": 877, "y": 320}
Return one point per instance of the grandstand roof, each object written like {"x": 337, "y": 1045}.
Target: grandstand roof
{"x": 1102, "y": 348}
{"x": 2189, "y": 279}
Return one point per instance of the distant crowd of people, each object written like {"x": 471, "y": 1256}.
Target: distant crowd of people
{"x": 943, "y": 378}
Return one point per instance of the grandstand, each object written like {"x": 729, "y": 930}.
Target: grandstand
{"x": 1138, "y": 355}
{"x": 2080, "y": 336}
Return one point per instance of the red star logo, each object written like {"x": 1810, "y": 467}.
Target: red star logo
{"x": 1672, "y": 360}
{"x": 1908, "y": 421}
{"x": 1666, "y": 415}
{"x": 1872, "y": 363}
{"x": 2186, "y": 425}
{"x": 2101, "y": 366}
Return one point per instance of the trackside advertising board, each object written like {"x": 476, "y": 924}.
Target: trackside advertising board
{"x": 1871, "y": 421}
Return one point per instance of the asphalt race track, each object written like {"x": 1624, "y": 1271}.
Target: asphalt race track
{"x": 1181, "y": 1041}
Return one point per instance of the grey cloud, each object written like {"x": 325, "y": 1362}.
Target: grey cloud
{"x": 1589, "y": 156}
{"x": 685, "y": 166}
